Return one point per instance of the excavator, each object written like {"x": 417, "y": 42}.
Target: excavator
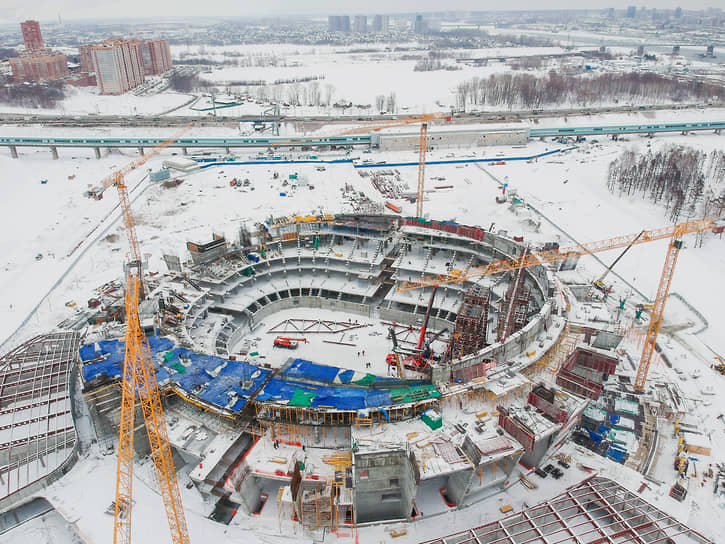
{"x": 599, "y": 283}
{"x": 719, "y": 365}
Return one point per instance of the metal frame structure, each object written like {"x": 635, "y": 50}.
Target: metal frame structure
{"x": 36, "y": 423}
{"x": 596, "y": 511}
{"x": 313, "y": 326}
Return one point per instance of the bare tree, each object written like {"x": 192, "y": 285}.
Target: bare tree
{"x": 391, "y": 102}
{"x": 380, "y": 102}
{"x": 313, "y": 93}
{"x": 329, "y": 93}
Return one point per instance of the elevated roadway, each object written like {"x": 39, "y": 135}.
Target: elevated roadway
{"x": 716, "y": 126}
{"x": 13, "y": 142}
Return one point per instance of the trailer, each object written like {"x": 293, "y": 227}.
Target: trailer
{"x": 393, "y": 207}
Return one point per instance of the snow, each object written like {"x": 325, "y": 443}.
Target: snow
{"x": 373, "y": 336}
{"x": 570, "y": 190}
{"x": 88, "y": 101}
{"x": 50, "y": 528}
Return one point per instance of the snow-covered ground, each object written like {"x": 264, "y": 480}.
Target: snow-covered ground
{"x": 82, "y": 244}
{"x": 88, "y": 101}
{"x": 570, "y": 190}
{"x": 355, "y": 74}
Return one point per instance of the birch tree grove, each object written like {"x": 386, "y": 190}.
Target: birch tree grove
{"x": 685, "y": 181}
{"x": 526, "y": 91}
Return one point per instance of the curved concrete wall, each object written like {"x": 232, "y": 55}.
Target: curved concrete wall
{"x": 491, "y": 247}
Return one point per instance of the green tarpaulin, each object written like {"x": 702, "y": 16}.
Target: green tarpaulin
{"x": 301, "y": 398}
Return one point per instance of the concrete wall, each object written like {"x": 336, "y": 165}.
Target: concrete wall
{"x": 384, "y": 486}
{"x": 399, "y": 316}
{"x": 488, "y": 474}
{"x": 250, "y": 493}
{"x": 457, "y": 485}
{"x": 533, "y": 458}
{"x": 311, "y": 302}
{"x": 454, "y": 138}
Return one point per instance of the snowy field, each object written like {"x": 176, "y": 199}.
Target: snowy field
{"x": 82, "y": 245}
{"x": 88, "y": 101}
{"x": 341, "y": 74}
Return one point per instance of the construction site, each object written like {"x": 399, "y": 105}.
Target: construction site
{"x": 363, "y": 375}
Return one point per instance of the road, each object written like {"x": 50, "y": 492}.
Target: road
{"x": 161, "y": 120}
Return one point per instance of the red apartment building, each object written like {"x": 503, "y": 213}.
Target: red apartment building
{"x": 37, "y": 63}
{"x": 31, "y": 35}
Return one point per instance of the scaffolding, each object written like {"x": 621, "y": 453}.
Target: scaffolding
{"x": 469, "y": 335}
{"x": 340, "y": 498}
{"x": 515, "y": 307}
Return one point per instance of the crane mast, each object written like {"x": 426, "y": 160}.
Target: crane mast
{"x": 421, "y": 168}
{"x": 658, "y": 311}
{"x": 139, "y": 379}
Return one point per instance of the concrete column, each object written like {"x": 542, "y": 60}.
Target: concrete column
{"x": 13, "y": 151}
{"x": 227, "y": 150}
{"x": 184, "y": 151}
{"x": 98, "y": 152}
{"x": 54, "y": 151}
{"x": 140, "y": 150}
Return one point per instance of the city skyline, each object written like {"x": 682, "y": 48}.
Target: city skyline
{"x": 18, "y": 10}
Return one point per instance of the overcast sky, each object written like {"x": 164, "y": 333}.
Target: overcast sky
{"x": 14, "y": 11}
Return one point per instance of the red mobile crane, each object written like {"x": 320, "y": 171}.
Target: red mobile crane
{"x": 417, "y": 360}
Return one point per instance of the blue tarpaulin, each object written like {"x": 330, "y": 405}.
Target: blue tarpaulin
{"x": 613, "y": 419}
{"x": 213, "y": 379}
{"x": 616, "y": 454}
{"x": 230, "y": 384}
{"x": 345, "y": 376}
{"x": 306, "y": 370}
{"x": 340, "y": 397}
{"x": 594, "y": 436}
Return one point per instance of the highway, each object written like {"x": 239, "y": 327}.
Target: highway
{"x": 162, "y": 120}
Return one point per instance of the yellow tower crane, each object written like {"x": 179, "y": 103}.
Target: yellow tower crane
{"x": 674, "y": 233}
{"x": 422, "y": 148}
{"x": 139, "y": 378}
